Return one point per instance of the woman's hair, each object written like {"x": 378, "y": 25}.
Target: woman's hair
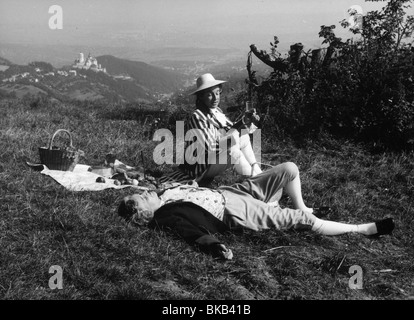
{"x": 131, "y": 214}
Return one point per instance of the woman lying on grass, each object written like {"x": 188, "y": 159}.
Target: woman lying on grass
{"x": 196, "y": 214}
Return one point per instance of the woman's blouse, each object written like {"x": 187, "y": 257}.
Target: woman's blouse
{"x": 209, "y": 127}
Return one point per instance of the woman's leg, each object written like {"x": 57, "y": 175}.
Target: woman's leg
{"x": 243, "y": 211}
{"x": 232, "y": 155}
{"x": 241, "y": 165}
{"x": 331, "y": 228}
{"x": 242, "y": 155}
{"x": 247, "y": 150}
{"x": 294, "y": 190}
{"x": 268, "y": 185}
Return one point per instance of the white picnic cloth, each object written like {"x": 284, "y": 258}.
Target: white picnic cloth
{"x": 80, "y": 179}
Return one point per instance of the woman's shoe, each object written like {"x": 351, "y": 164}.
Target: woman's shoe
{"x": 384, "y": 226}
{"x": 322, "y": 212}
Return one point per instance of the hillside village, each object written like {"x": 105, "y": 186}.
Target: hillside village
{"x": 87, "y": 79}
{"x": 90, "y": 63}
{"x": 37, "y": 74}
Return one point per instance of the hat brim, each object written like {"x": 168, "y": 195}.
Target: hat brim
{"x": 207, "y": 85}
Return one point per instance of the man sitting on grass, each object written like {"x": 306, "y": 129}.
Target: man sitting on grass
{"x": 196, "y": 214}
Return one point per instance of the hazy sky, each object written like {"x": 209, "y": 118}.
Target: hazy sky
{"x": 168, "y": 23}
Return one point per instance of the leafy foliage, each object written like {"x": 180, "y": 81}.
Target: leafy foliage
{"x": 361, "y": 89}
{"x": 45, "y": 66}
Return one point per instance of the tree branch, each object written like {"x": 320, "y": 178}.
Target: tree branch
{"x": 277, "y": 65}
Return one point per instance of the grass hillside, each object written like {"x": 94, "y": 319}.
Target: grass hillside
{"x": 43, "y": 225}
{"x": 153, "y": 78}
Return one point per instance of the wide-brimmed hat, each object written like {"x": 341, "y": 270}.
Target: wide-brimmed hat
{"x": 206, "y": 81}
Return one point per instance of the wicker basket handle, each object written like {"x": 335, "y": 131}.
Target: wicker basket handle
{"x": 54, "y": 135}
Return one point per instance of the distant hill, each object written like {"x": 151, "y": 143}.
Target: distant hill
{"x": 153, "y": 78}
{"x": 5, "y": 62}
{"x": 124, "y": 80}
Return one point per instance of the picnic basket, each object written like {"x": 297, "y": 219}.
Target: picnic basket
{"x": 63, "y": 159}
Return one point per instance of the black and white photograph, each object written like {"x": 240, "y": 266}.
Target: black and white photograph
{"x": 207, "y": 157}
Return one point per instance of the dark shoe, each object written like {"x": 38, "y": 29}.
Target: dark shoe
{"x": 322, "y": 212}
{"x": 384, "y": 226}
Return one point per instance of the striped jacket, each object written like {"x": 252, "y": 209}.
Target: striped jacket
{"x": 209, "y": 128}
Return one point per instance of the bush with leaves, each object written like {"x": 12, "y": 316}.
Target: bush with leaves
{"x": 363, "y": 89}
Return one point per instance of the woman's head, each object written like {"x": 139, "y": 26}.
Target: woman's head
{"x": 209, "y": 98}
{"x": 139, "y": 208}
{"x": 208, "y": 91}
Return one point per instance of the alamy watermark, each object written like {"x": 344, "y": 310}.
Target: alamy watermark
{"x": 56, "y": 20}
{"x": 56, "y": 281}
{"x": 173, "y": 150}
{"x": 354, "y": 282}
{"x": 356, "y": 279}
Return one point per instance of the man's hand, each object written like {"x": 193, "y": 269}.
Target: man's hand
{"x": 223, "y": 252}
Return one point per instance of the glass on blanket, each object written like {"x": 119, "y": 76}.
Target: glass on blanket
{"x": 110, "y": 160}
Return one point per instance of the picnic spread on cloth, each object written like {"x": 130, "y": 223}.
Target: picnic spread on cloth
{"x": 62, "y": 165}
{"x": 82, "y": 178}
